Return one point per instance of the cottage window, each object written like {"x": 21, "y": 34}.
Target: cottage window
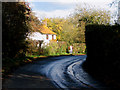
{"x": 52, "y": 37}
{"x": 47, "y": 36}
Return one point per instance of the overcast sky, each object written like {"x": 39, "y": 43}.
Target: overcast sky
{"x": 62, "y": 8}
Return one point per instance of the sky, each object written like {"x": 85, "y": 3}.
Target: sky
{"x": 63, "y": 8}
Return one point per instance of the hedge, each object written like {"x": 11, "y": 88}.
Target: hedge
{"x": 103, "y": 51}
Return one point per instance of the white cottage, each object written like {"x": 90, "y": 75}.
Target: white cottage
{"x": 43, "y": 34}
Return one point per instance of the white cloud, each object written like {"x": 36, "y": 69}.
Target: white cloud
{"x": 67, "y": 12}
{"x": 56, "y": 13}
{"x": 97, "y": 4}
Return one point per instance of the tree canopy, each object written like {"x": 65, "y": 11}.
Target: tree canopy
{"x": 15, "y": 25}
{"x": 72, "y": 29}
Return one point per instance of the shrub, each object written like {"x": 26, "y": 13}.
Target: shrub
{"x": 62, "y": 47}
{"x": 54, "y": 48}
{"x": 33, "y": 49}
{"x": 79, "y": 48}
{"x": 51, "y": 48}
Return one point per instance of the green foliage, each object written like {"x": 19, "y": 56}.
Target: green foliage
{"x": 32, "y": 48}
{"x": 62, "y": 47}
{"x": 92, "y": 16}
{"x": 103, "y": 49}
{"x": 79, "y": 48}
{"x": 56, "y": 24}
{"x": 34, "y": 23}
{"x": 72, "y": 29}
{"x": 15, "y": 18}
{"x": 69, "y": 33}
{"x": 54, "y": 48}
{"x": 65, "y": 29}
{"x": 85, "y": 16}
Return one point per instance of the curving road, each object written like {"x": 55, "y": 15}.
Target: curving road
{"x": 55, "y": 72}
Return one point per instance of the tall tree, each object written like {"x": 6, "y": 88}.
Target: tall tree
{"x": 84, "y": 16}
{"x": 92, "y": 16}
{"x": 114, "y": 5}
{"x": 15, "y": 25}
{"x": 56, "y": 25}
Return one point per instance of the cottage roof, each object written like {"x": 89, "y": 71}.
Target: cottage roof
{"x": 45, "y": 30}
{"x": 41, "y": 28}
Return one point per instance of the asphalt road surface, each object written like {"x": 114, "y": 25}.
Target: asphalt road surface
{"x": 64, "y": 72}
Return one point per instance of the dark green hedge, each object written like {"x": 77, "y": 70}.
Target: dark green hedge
{"x": 14, "y": 29}
{"x": 103, "y": 50}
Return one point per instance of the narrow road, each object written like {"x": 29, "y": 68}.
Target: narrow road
{"x": 54, "y": 72}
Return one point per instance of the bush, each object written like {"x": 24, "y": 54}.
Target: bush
{"x": 62, "y": 47}
{"x": 51, "y": 49}
{"x": 33, "y": 49}
{"x": 79, "y": 48}
{"x": 54, "y": 48}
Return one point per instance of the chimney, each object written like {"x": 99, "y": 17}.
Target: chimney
{"x": 45, "y": 23}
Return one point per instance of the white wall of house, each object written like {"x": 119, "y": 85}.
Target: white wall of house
{"x": 36, "y": 36}
{"x": 39, "y": 36}
{"x": 45, "y": 41}
{"x": 54, "y": 36}
{"x": 44, "y": 36}
{"x": 49, "y": 37}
